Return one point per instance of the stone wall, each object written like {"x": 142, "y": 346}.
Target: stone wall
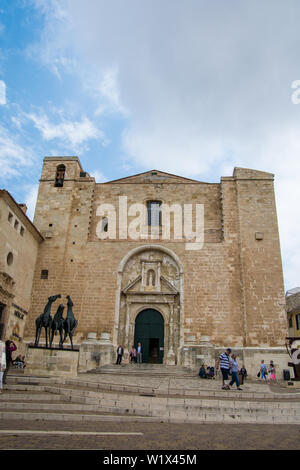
{"x": 230, "y": 290}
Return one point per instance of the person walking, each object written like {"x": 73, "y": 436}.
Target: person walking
{"x": 139, "y": 353}
{"x": 120, "y": 352}
{"x": 10, "y": 347}
{"x": 234, "y": 372}
{"x": 2, "y": 363}
{"x": 263, "y": 371}
{"x": 224, "y": 364}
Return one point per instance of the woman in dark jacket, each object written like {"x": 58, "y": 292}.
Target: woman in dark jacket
{"x": 10, "y": 347}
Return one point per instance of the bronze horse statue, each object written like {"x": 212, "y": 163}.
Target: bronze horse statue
{"x": 58, "y": 325}
{"x": 45, "y": 320}
{"x": 70, "y": 323}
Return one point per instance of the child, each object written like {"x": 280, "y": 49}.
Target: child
{"x": 272, "y": 371}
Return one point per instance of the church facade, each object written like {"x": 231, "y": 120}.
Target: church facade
{"x": 182, "y": 266}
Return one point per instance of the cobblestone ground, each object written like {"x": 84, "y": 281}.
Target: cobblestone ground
{"x": 156, "y": 436}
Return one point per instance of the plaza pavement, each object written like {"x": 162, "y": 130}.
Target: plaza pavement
{"x": 127, "y": 408}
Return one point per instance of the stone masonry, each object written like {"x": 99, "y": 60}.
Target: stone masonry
{"x": 229, "y": 293}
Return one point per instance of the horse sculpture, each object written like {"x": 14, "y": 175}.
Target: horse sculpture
{"x": 58, "y": 325}
{"x": 45, "y": 320}
{"x": 70, "y": 323}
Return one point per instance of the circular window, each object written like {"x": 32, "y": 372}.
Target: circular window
{"x": 10, "y": 258}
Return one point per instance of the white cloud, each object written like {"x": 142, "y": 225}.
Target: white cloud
{"x": 31, "y": 198}
{"x": 109, "y": 93}
{"x": 2, "y": 92}
{"x": 72, "y": 133}
{"x": 99, "y": 176}
{"x": 13, "y": 156}
{"x": 17, "y": 121}
{"x": 47, "y": 51}
{"x": 207, "y": 86}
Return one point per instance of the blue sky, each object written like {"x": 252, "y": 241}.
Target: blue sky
{"x": 193, "y": 88}
{"x": 47, "y": 112}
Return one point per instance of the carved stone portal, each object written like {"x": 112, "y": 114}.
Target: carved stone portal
{"x": 151, "y": 278}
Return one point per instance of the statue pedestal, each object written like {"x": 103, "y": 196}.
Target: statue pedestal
{"x": 95, "y": 353}
{"x": 51, "y": 362}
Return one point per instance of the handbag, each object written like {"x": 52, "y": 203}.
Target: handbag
{"x": 258, "y": 375}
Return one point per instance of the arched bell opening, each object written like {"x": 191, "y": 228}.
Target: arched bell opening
{"x": 60, "y": 176}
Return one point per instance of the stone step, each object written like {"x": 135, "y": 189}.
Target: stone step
{"x": 178, "y": 418}
{"x": 41, "y": 398}
{"x": 140, "y": 394}
{"x": 157, "y": 370}
{"x": 62, "y": 408}
{"x": 15, "y": 371}
{"x": 52, "y": 393}
{"x": 76, "y": 400}
{"x": 118, "y": 407}
{"x": 69, "y": 417}
{"x": 91, "y": 387}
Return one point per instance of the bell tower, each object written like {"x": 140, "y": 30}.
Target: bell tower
{"x": 62, "y": 181}
{"x": 62, "y": 215}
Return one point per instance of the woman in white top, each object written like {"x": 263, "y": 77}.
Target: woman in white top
{"x": 2, "y": 363}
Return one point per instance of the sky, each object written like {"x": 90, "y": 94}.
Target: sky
{"x": 193, "y": 87}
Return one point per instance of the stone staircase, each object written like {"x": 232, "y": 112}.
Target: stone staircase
{"x": 155, "y": 370}
{"x": 68, "y": 400}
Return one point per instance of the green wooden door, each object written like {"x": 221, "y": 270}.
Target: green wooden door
{"x": 149, "y": 331}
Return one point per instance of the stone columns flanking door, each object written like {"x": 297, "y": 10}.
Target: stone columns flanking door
{"x": 150, "y": 277}
{"x": 171, "y": 359}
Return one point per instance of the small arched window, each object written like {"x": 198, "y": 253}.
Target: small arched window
{"x": 60, "y": 176}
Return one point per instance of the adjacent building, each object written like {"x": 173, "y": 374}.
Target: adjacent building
{"x": 293, "y": 312}
{"x": 19, "y": 245}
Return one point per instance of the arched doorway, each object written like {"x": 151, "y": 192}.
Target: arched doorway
{"x": 151, "y": 277}
{"x": 149, "y": 331}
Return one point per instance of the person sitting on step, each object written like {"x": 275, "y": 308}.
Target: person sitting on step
{"x": 202, "y": 372}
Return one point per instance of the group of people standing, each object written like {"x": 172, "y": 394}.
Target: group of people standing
{"x": 229, "y": 366}
{"x": 264, "y": 371}
{"x": 6, "y": 350}
{"x": 135, "y": 354}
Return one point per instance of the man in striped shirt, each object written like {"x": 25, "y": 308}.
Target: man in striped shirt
{"x": 224, "y": 364}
